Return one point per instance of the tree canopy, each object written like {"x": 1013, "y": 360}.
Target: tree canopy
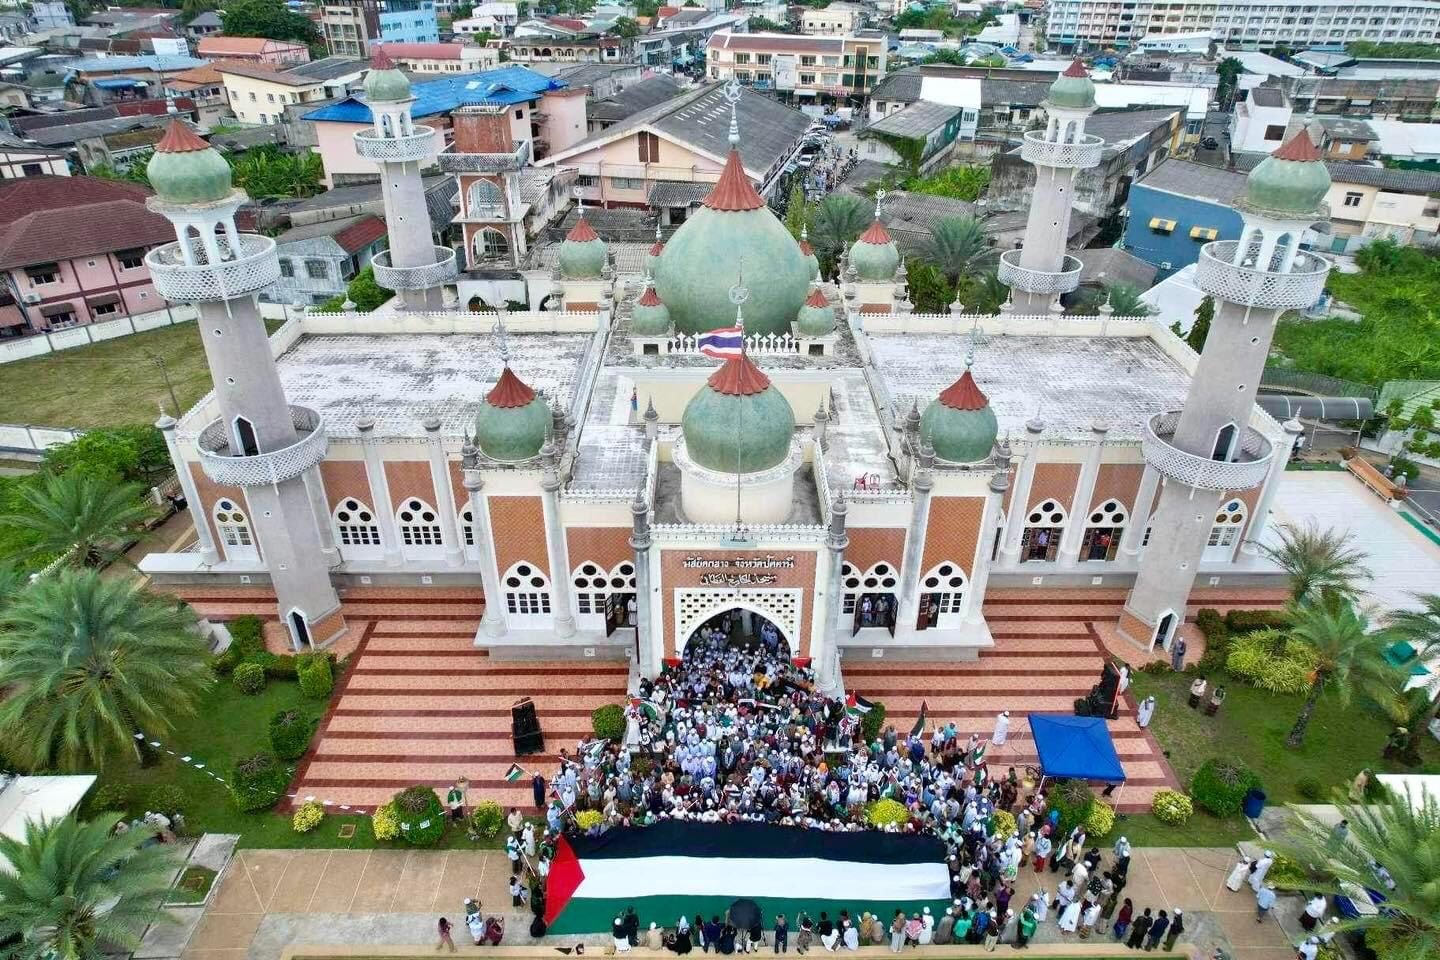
{"x": 267, "y": 18}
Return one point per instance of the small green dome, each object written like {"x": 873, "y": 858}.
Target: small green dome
{"x": 875, "y": 256}
{"x": 384, "y": 83}
{"x": 816, "y": 317}
{"x": 1292, "y": 180}
{"x": 186, "y": 169}
{"x": 649, "y": 317}
{"x": 511, "y": 423}
{"x": 738, "y": 421}
{"x": 582, "y": 254}
{"x": 959, "y": 423}
{"x": 1073, "y": 89}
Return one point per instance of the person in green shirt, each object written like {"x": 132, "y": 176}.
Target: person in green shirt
{"x": 962, "y": 927}
{"x": 1027, "y": 929}
{"x": 455, "y": 800}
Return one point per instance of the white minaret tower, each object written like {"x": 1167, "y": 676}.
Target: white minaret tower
{"x": 1207, "y": 454}
{"x": 414, "y": 267}
{"x": 260, "y": 443}
{"x": 1040, "y": 270}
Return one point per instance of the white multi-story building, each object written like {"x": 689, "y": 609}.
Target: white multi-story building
{"x": 1252, "y": 24}
{"x": 803, "y": 67}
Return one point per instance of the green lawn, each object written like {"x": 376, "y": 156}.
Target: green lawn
{"x": 109, "y": 384}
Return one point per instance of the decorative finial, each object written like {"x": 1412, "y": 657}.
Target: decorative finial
{"x": 733, "y": 93}
{"x": 658, "y": 237}
{"x": 974, "y": 342}
{"x": 879, "y": 196}
{"x": 804, "y": 231}
{"x": 739, "y": 293}
{"x": 502, "y": 340}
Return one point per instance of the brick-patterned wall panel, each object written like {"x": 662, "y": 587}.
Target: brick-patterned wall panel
{"x": 409, "y": 478}
{"x": 605, "y": 546}
{"x": 457, "y": 486}
{"x": 953, "y": 529}
{"x": 519, "y": 527}
{"x": 346, "y": 478}
{"x": 1120, "y": 481}
{"x": 1009, "y": 492}
{"x": 674, "y": 574}
{"x": 872, "y": 545}
{"x": 209, "y": 493}
{"x": 1054, "y": 481}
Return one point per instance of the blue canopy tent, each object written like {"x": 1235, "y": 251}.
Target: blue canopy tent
{"x": 1077, "y": 748}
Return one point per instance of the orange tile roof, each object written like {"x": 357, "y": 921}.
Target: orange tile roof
{"x": 739, "y": 378}
{"x": 180, "y": 139}
{"x": 1300, "y": 148}
{"x": 509, "y": 391}
{"x": 964, "y": 394}
{"x": 733, "y": 191}
{"x": 582, "y": 232}
{"x": 876, "y": 234}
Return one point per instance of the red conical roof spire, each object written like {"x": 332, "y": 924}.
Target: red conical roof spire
{"x": 1300, "y": 148}
{"x": 876, "y": 233}
{"x": 379, "y": 59}
{"x": 649, "y": 298}
{"x": 180, "y": 139}
{"x": 510, "y": 391}
{"x": 739, "y": 378}
{"x": 1076, "y": 69}
{"x": 816, "y": 298}
{"x": 733, "y": 191}
{"x": 582, "y": 232}
{"x": 964, "y": 394}
{"x": 657, "y": 248}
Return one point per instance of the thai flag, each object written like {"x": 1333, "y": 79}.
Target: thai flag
{"x": 723, "y": 343}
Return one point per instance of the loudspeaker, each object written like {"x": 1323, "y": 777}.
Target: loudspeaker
{"x": 526, "y": 743}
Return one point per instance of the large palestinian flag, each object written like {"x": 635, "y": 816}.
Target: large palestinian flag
{"x": 676, "y": 867}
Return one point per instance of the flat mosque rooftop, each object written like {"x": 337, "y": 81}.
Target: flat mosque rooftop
{"x": 401, "y": 381}
{"x": 1068, "y": 381}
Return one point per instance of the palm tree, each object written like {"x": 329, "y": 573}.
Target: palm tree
{"x": 1318, "y": 562}
{"x": 1402, "y": 834}
{"x": 78, "y": 514}
{"x": 957, "y": 247}
{"x": 835, "y": 223}
{"x": 1348, "y": 656}
{"x": 12, "y": 581}
{"x": 1125, "y": 301}
{"x": 1421, "y": 630}
{"x": 983, "y": 294}
{"x": 88, "y": 663}
{"x": 78, "y": 891}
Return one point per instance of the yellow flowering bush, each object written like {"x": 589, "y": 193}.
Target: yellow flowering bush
{"x": 308, "y": 817}
{"x": 1002, "y": 823}
{"x": 1171, "y": 806}
{"x": 1100, "y": 819}
{"x": 588, "y": 819}
{"x": 385, "y": 822}
{"x": 885, "y": 813}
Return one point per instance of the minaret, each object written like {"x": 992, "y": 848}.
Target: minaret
{"x": 260, "y": 443}
{"x": 413, "y": 267}
{"x": 1040, "y": 271}
{"x": 1207, "y": 451}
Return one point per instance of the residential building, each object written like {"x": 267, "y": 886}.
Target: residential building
{"x": 14, "y": 94}
{"x": 496, "y": 19}
{"x": 1073, "y": 25}
{"x": 318, "y": 259}
{"x": 110, "y": 142}
{"x": 1259, "y": 123}
{"x": 206, "y": 87}
{"x": 680, "y": 43}
{"x": 839, "y": 19}
{"x": 274, "y": 53}
{"x": 918, "y": 137}
{"x": 51, "y": 15}
{"x": 577, "y": 47}
{"x": 72, "y": 251}
{"x": 1179, "y": 207}
{"x": 442, "y": 57}
{"x": 260, "y": 94}
{"x": 204, "y": 25}
{"x": 21, "y": 159}
{"x": 823, "y": 69}
{"x": 350, "y": 26}
{"x": 648, "y": 93}
{"x": 13, "y": 26}
{"x": 669, "y": 156}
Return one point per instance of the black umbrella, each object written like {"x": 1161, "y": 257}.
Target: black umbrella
{"x": 744, "y": 913}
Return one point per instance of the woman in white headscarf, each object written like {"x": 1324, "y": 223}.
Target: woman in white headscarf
{"x": 1238, "y": 874}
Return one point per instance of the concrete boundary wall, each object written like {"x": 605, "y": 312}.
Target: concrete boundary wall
{"x": 68, "y": 339}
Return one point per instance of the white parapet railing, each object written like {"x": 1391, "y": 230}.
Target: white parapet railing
{"x": 1012, "y": 324}
{"x": 222, "y": 465}
{"x": 1217, "y": 274}
{"x": 1012, "y": 274}
{"x": 1246, "y": 472}
{"x": 441, "y": 270}
{"x": 398, "y": 320}
{"x": 1080, "y": 155}
{"x": 766, "y": 344}
{"x": 419, "y": 145}
{"x": 182, "y": 280}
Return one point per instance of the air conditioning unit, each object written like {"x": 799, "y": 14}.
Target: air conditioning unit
{"x": 31, "y": 298}
{"x": 1165, "y": 265}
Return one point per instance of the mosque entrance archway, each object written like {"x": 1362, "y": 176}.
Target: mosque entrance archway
{"x": 693, "y": 607}
{"x": 739, "y": 627}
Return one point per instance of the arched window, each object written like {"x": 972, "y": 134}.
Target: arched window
{"x": 355, "y": 524}
{"x": 491, "y": 244}
{"x": 483, "y": 193}
{"x": 419, "y": 524}
{"x": 869, "y": 597}
{"x": 233, "y": 526}
{"x": 591, "y": 583}
{"x": 1103, "y": 530}
{"x": 942, "y": 596}
{"x": 1224, "y": 442}
{"x": 1225, "y": 534}
{"x": 604, "y": 598}
{"x": 467, "y": 526}
{"x": 527, "y": 593}
{"x": 1044, "y": 526}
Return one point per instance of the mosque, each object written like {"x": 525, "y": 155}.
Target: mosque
{"x": 860, "y": 475}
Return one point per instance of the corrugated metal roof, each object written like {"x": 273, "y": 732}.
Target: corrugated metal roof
{"x": 507, "y": 85}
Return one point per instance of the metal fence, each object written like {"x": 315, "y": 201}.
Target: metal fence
{"x": 1316, "y": 383}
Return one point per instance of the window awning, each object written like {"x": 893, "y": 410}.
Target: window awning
{"x": 103, "y": 300}
{"x": 35, "y": 268}
{"x": 1160, "y": 223}
{"x": 1203, "y": 233}
{"x": 57, "y": 309}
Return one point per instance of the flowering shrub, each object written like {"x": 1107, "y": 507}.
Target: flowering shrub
{"x": 1002, "y": 822}
{"x": 1171, "y": 806}
{"x": 386, "y": 822}
{"x": 1100, "y": 819}
{"x": 486, "y": 819}
{"x": 1272, "y": 661}
{"x": 588, "y": 820}
{"x": 308, "y": 817}
{"x": 886, "y": 813}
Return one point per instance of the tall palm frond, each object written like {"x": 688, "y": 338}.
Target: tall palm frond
{"x": 1420, "y": 628}
{"x": 836, "y": 221}
{"x": 957, "y": 247}
{"x": 1348, "y": 656}
{"x": 74, "y": 511}
{"x": 1318, "y": 561}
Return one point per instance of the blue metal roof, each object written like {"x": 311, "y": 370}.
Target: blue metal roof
{"x": 505, "y": 85}
{"x": 116, "y": 83}
{"x": 155, "y": 62}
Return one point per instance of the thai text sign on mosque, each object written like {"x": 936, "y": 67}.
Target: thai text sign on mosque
{"x": 739, "y": 571}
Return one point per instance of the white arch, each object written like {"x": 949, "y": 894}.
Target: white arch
{"x": 1169, "y": 629}
{"x": 1044, "y": 528}
{"x": 1104, "y": 526}
{"x": 942, "y": 594}
{"x": 1225, "y": 532}
{"x": 489, "y": 243}
{"x": 527, "y": 595}
{"x": 743, "y": 600}
{"x": 236, "y": 536}
{"x": 882, "y": 577}
{"x": 483, "y": 192}
{"x": 1223, "y": 449}
{"x": 418, "y": 524}
{"x": 356, "y": 528}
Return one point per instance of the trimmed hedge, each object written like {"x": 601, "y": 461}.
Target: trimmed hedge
{"x": 1171, "y": 806}
{"x": 168, "y": 799}
{"x": 316, "y": 675}
{"x": 247, "y": 634}
{"x": 249, "y": 678}
{"x": 385, "y": 822}
{"x": 290, "y": 733}
{"x": 1073, "y": 799}
{"x": 308, "y": 817}
{"x": 422, "y": 818}
{"x": 486, "y": 819}
{"x": 1220, "y": 785}
{"x": 1272, "y": 661}
{"x": 1100, "y": 820}
{"x": 111, "y": 798}
{"x": 1217, "y": 639}
{"x": 873, "y": 722}
{"x": 258, "y": 782}
{"x": 1248, "y": 621}
{"x": 886, "y": 813}
{"x": 608, "y": 722}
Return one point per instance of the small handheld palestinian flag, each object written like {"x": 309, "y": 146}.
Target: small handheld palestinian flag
{"x": 920, "y": 720}
{"x": 514, "y": 773}
{"x": 858, "y": 706}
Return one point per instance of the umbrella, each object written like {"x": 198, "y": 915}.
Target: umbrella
{"x": 744, "y": 913}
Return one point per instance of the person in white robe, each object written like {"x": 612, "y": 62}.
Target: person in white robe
{"x": 1144, "y": 712}
{"x": 1070, "y": 917}
{"x": 1040, "y": 903}
{"x": 1262, "y": 867}
{"x": 1002, "y": 728}
{"x": 927, "y": 932}
{"x": 1238, "y": 874}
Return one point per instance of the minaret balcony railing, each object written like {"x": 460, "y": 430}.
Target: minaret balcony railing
{"x": 1080, "y": 155}
{"x": 419, "y": 145}
{"x": 223, "y": 465}
{"x": 1245, "y": 472}
{"x": 179, "y": 281}
{"x": 1217, "y": 275}
{"x": 441, "y": 271}
{"x": 1016, "y": 277}
{"x": 452, "y": 161}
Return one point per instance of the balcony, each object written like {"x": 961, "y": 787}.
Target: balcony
{"x": 1081, "y": 155}
{"x": 182, "y": 281}
{"x": 222, "y": 465}
{"x": 452, "y": 161}
{"x": 1217, "y": 275}
{"x": 443, "y": 270}
{"x": 1064, "y": 280}
{"x": 419, "y": 145}
{"x": 1246, "y": 472}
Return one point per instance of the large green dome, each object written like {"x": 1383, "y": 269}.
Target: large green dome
{"x": 1292, "y": 180}
{"x": 817, "y": 317}
{"x": 186, "y": 169}
{"x": 512, "y": 421}
{"x": 649, "y": 317}
{"x": 959, "y": 423}
{"x": 875, "y": 256}
{"x": 1073, "y": 89}
{"x": 738, "y": 421}
{"x": 734, "y": 236}
{"x": 582, "y": 254}
{"x": 384, "y": 83}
